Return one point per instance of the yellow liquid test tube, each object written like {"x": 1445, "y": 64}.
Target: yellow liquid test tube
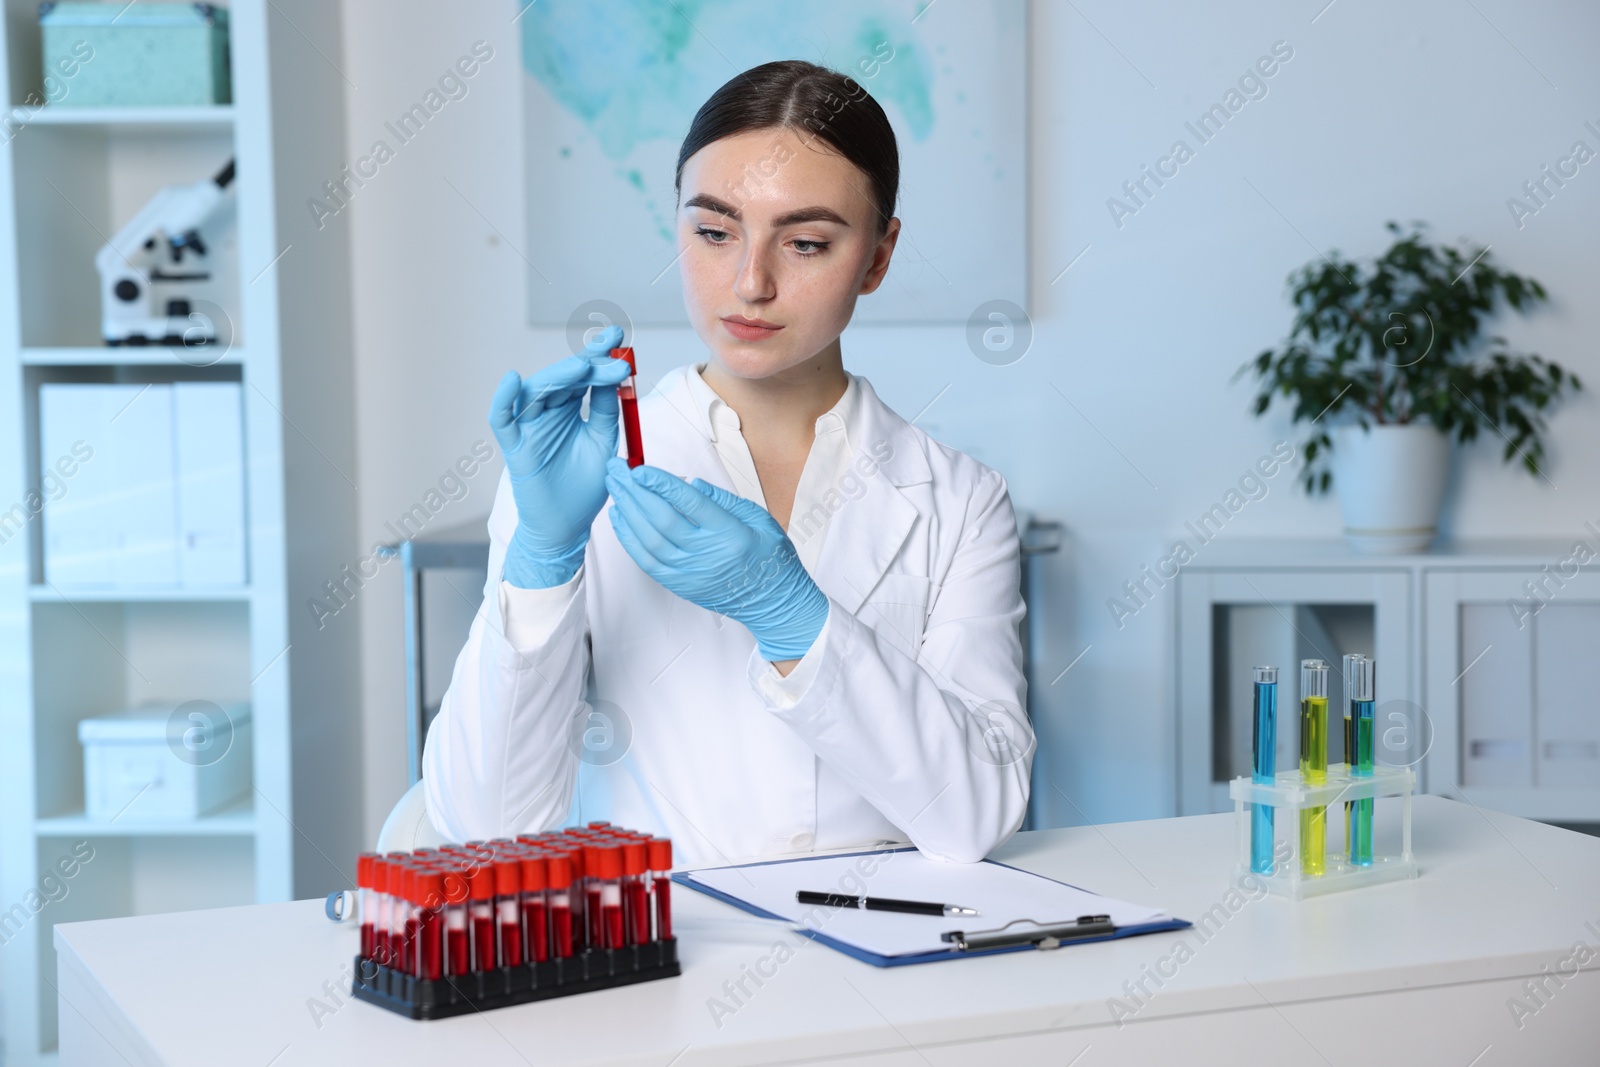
{"x": 1313, "y": 763}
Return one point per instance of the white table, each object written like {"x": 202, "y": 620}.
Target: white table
{"x": 1417, "y": 972}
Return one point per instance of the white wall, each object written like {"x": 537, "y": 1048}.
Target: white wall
{"x": 1416, "y": 111}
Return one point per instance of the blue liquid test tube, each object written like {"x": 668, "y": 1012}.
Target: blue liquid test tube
{"x": 1264, "y": 761}
{"x": 1362, "y": 691}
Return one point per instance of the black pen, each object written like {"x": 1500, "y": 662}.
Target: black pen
{"x": 914, "y": 907}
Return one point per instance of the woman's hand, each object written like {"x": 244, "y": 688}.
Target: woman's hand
{"x": 720, "y": 551}
{"x": 555, "y": 459}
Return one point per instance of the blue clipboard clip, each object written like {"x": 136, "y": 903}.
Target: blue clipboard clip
{"x": 1039, "y": 935}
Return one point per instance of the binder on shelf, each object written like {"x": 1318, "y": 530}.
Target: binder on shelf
{"x": 160, "y": 501}
{"x": 76, "y": 482}
{"x": 1017, "y": 909}
{"x": 145, "y": 494}
{"x": 208, "y": 438}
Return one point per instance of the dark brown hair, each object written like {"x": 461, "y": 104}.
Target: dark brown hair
{"x": 803, "y": 96}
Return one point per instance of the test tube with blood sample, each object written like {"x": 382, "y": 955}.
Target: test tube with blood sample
{"x": 628, "y": 397}
{"x": 508, "y": 906}
{"x": 428, "y": 888}
{"x": 457, "y": 946}
{"x": 594, "y": 929}
{"x": 407, "y": 916}
{"x": 481, "y": 915}
{"x": 579, "y": 894}
{"x": 535, "y": 920}
{"x": 635, "y": 891}
{"x": 381, "y": 875}
{"x": 660, "y": 850}
{"x": 613, "y": 931}
{"x": 366, "y": 901}
{"x": 558, "y": 873}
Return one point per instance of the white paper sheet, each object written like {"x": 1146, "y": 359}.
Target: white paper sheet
{"x": 1001, "y": 894}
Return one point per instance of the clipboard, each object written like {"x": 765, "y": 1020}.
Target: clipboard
{"x": 985, "y": 935}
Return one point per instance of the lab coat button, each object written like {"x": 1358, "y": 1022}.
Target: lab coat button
{"x": 802, "y": 841}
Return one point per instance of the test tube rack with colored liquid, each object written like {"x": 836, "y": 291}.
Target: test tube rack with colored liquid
{"x": 1294, "y": 855}
{"x": 489, "y": 924}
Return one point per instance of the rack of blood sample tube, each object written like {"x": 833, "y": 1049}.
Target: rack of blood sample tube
{"x": 488, "y": 924}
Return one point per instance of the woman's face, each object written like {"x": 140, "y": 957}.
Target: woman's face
{"x": 779, "y": 235}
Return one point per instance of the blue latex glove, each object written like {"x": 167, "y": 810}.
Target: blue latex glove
{"x": 720, "y": 551}
{"x": 556, "y": 459}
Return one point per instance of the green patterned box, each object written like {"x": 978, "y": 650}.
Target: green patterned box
{"x": 138, "y": 55}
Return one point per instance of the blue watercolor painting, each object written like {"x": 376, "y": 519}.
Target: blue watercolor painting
{"x": 610, "y": 88}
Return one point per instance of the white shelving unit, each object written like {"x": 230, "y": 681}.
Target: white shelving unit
{"x": 1492, "y": 708}
{"x": 68, "y": 178}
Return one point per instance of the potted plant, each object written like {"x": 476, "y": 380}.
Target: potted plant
{"x": 1385, "y": 364}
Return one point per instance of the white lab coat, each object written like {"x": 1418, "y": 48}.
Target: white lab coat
{"x": 911, "y": 727}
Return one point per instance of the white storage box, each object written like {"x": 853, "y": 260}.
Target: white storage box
{"x": 165, "y": 761}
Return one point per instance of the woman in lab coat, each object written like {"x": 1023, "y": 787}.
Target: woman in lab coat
{"x": 797, "y": 626}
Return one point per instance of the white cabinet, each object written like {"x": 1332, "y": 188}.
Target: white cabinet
{"x": 1512, "y": 678}
{"x": 1488, "y": 659}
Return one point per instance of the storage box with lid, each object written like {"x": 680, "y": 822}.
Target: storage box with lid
{"x": 136, "y": 55}
{"x": 165, "y": 761}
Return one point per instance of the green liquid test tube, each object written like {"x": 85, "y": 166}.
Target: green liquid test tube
{"x": 1313, "y": 763}
{"x": 1361, "y": 689}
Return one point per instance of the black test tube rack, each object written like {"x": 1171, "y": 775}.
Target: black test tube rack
{"x": 460, "y": 994}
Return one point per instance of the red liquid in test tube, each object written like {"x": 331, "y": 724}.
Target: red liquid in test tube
{"x": 628, "y": 397}
{"x": 535, "y": 921}
{"x": 558, "y": 867}
{"x": 613, "y": 932}
{"x": 661, "y": 885}
{"x": 480, "y": 915}
{"x": 428, "y": 887}
{"x": 635, "y": 891}
{"x": 457, "y": 948}
{"x": 578, "y": 896}
{"x": 366, "y": 901}
{"x": 508, "y": 907}
{"x": 594, "y": 930}
{"x": 380, "y": 917}
{"x": 398, "y": 863}
{"x": 406, "y": 899}
{"x": 370, "y": 864}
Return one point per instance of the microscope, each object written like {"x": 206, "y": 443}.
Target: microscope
{"x": 143, "y": 272}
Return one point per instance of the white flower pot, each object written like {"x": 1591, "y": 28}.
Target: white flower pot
{"x": 1391, "y": 482}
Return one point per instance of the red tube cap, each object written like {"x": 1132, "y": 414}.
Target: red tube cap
{"x": 608, "y": 860}
{"x": 660, "y": 854}
{"x": 507, "y": 875}
{"x": 558, "y": 867}
{"x": 634, "y": 859}
{"x": 404, "y": 886}
{"x": 627, "y": 354}
{"x": 481, "y": 881}
{"x": 456, "y": 888}
{"x": 429, "y": 887}
{"x": 535, "y": 875}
